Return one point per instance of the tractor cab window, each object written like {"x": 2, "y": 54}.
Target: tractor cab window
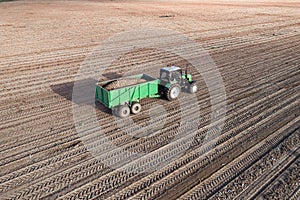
{"x": 165, "y": 76}
{"x": 177, "y": 75}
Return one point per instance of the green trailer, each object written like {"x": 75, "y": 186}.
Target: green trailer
{"x": 123, "y": 95}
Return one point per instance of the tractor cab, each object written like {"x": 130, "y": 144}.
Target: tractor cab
{"x": 174, "y": 75}
{"x": 171, "y": 74}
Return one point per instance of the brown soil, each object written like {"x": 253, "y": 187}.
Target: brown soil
{"x": 255, "y": 46}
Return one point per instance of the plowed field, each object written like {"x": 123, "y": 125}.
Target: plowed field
{"x": 256, "y": 48}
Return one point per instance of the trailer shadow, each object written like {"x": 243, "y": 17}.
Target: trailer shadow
{"x": 65, "y": 90}
{"x": 112, "y": 75}
{"x": 85, "y": 93}
{"x": 6, "y": 0}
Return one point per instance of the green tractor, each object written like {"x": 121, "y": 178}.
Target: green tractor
{"x": 124, "y": 98}
{"x": 172, "y": 81}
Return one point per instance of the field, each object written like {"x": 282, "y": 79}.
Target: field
{"x": 255, "y": 46}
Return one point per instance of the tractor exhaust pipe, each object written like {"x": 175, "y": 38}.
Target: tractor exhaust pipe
{"x": 186, "y": 70}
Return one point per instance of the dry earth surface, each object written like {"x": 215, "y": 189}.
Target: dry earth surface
{"x": 254, "y": 44}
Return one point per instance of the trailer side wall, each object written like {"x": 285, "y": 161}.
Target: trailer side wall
{"x": 128, "y": 94}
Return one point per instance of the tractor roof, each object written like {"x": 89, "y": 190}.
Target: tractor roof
{"x": 172, "y": 68}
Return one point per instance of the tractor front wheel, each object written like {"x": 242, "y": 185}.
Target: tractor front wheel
{"x": 173, "y": 92}
{"x": 193, "y": 88}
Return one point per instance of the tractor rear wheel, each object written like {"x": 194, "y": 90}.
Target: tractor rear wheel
{"x": 173, "y": 92}
{"x": 135, "y": 108}
{"x": 193, "y": 88}
{"x": 122, "y": 111}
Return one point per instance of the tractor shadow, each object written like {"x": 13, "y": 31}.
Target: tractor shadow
{"x": 81, "y": 93}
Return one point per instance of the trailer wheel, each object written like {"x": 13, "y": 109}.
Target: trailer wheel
{"x": 122, "y": 111}
{"x": 136, "y": 108}
{"x": 193, "y": 88}
{"x": 173, "y": 92}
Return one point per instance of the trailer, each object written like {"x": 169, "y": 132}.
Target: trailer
{"x": 123, "y": 95}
